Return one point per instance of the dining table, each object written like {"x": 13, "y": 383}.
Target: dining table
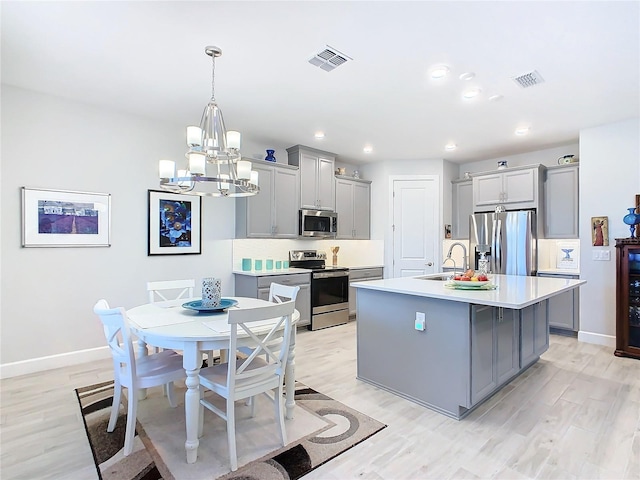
{"x": 176, "y": 325}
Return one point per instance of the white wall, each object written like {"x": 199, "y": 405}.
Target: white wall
{"x": 547, "y": 157}
{"x": 609, "y": 182}
{"x": 47, "y": 294}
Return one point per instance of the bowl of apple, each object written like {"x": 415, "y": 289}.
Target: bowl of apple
{"x": 471, "y": 279}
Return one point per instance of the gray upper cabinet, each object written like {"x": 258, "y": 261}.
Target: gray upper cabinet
{"x": 515, "y": 188}
{"x": 561, "y": 201}
{"x": 462, "y": 208}
{"x": 273, "y": 213}
{"x": 353, "y": 205}
{"x": 317, "y": 185}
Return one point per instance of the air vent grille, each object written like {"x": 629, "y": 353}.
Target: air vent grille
{"x": 529, "y": 79}
{"x": 329, "y": 58}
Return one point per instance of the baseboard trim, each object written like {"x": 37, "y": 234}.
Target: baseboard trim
{"x": 34, "y": 365}
{"x": 597, "y": 338}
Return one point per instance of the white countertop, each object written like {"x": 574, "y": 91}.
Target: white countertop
{"x": 265, "y": 273}
{"x": 513, "y": 291}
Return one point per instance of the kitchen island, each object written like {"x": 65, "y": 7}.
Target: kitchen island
{"x": 473, "y": 343}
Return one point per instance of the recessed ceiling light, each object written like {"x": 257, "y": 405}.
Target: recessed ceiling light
{"x": 467, "y": 76}
{"x": 439, "y": 72}
{"x": 450, "y": 147}
{"x": 471, "y": 93}
{"x": 367, "y": 149}
{"x": 522, "y": 131}
{"x": 495, "y": 98}
{"x": 319, "y": 135}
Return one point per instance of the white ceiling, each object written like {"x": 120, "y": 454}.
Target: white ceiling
{"x": 147, "y": 58}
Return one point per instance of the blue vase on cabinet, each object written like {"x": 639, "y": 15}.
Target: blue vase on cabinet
{"x": 631, "y": 219}
{"x": 270, "y": 157}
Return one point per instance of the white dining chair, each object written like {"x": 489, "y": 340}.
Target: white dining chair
{"x": 249, "y": 376}
{"x": 151, "y": 370}
{"x": 159, "y": 291}
{"x": 278, "y": 293}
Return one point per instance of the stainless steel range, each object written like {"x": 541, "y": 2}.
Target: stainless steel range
{"x": 329, "y": 288}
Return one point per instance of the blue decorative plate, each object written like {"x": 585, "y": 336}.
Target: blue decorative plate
{"x": 197, "y": 305}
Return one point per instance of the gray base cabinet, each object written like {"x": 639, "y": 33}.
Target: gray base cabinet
{"x": 258, "y": 287}
{"x": 534, "y": 336}
{"x": 359, "y": 275}
{"x": 564, "y": 309}
{"x": 466, "y": 353}
{"x": 494, "y": 349}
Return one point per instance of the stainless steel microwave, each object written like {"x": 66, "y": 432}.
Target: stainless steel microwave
{"x": 318, "y": 224}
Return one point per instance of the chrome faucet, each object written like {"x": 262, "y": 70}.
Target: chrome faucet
{"x": 464, "y": 258}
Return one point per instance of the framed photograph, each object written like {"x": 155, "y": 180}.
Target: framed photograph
{"x": 600, "y": 231}
{"x": 175, "y": 223}
{"x": 61, "y": 218}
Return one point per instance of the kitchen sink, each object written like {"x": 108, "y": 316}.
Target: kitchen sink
{"x": 441, "y": 277}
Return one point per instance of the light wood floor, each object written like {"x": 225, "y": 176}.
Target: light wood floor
{"x": 573, "y": 415}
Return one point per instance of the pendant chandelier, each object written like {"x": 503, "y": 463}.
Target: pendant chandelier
{"x": 213, "y": 165}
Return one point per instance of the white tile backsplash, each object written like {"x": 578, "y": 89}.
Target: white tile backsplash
{"x": 352, "y": 253}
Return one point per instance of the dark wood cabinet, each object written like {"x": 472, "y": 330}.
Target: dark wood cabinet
{"x": 628, "y": 297}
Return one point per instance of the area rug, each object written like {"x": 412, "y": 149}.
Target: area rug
{"x": 322, "y": 428}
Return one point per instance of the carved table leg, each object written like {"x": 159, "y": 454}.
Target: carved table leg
{"x": 142, "y": 352}
{"x": 192, "y": 362}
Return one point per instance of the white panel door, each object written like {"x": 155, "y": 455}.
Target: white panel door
{"x": 416, "y": 226}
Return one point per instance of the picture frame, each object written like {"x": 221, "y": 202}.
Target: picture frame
{"x": 174, "y": 223}
{"x": 568, "y": 255}
{"x": 65, "y": 218}
{"x": 600, "y": 231}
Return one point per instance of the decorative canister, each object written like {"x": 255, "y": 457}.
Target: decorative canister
{"x": 270, "y": 157}
{"x": 502, "y": 164}
{"x": 211, "y": 292}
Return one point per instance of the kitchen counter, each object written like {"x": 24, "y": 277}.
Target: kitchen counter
{"x": 265, "y": 273}
{"x": 513, "y": 291}
{"x": 362, "y": 267}
{"x": 450, "y": 350}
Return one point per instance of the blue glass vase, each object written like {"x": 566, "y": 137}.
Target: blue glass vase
{"x": 631, "y": 219}
{"x": 270, "y": 157}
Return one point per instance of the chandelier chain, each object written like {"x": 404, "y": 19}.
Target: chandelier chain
{"x": 213, "y": 77}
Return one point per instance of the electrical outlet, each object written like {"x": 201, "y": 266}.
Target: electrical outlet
{"x": 420, "y": 322}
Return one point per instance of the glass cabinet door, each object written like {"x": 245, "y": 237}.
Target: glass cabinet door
{"x": 634, "y": 296}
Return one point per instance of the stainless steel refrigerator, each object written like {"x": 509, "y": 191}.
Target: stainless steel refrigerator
{"x": 508, "y": 239}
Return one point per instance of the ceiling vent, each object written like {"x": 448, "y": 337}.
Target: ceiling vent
{"x": 529, "y": 79}
{"x": 329, "y": 58}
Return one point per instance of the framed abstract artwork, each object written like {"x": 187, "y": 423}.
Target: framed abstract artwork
{"x": 63, "y": 218}
{"x": 174, "y": 223}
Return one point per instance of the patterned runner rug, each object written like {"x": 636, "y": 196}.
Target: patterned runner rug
{"x": 322, "y": 428}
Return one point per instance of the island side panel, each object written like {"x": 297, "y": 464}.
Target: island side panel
{"x": 430, "y": 367}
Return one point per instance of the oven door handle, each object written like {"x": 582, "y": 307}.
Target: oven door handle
{"x": 330, "y": 274}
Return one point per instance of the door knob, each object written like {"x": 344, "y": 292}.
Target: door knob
{"x": 430, "y": 264}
